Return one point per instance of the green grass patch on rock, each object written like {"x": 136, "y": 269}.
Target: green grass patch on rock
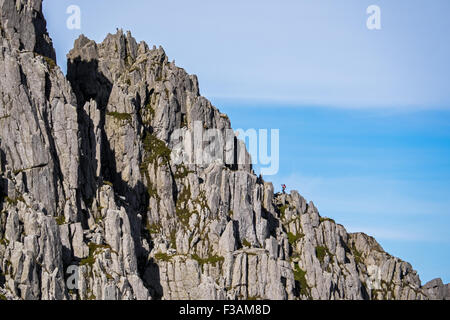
{"x": 93, "y": 250}
{"x": 162, "y": 256}
{"x": 51, "y": 64}
{"x": 119, "y": 116}
{"x": 283, "y": 211}
{"x": 357, "y": 255}
{"x": 300, "y": 277}
{"x": 209, "y": 260}
{"x": 155, "y": 149}
{"x": 293, "y": 238}
{"x": 323, "y": 219}
{"x": 60, "y": 220}
{"x": 181, "y": 207}
{"x": 321, "y": 252}
{"x": 245, "y": 243}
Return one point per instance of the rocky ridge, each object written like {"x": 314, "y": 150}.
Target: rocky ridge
{"x": 87, "y": 181}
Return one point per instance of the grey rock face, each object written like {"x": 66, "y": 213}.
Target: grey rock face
{"x": 437, "y": 290}
{"x": 39, "y": 154}
{"x": 87, "y": 183}
{"x": 23, "y": 24}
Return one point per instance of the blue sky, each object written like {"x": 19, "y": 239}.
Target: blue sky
{"x": 364, "y": 116}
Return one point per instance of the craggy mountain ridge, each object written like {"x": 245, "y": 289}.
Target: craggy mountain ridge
{"x": 87, "y": 183}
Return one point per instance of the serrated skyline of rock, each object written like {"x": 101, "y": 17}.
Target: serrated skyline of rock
{"x": 87, "y": 180}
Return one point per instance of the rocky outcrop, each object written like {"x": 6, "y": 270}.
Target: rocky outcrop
{"x": 94, "y": 205}
{"x": 23, "y": 24}
{"x": 39, "y": 154}
{"x": 437, "y": 290}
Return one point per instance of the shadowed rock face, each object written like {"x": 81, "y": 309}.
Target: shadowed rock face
{"x": 23, "y": 23}
{"x": 87, "y": 180}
